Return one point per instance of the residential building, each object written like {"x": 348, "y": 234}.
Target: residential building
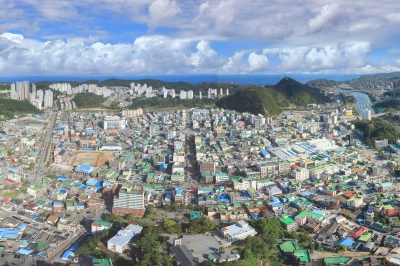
{"x": 129, "y": 201}
{"x": 121, "y": 241}
{"x": 100, "y": 225}
{"x": 36, "y": 190}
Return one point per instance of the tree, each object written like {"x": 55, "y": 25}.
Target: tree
{"x": 209, "y": 225}
{"x": 341, "y": 248}
{"x": 168, "y": 223}
{"x": 131, "y": 217}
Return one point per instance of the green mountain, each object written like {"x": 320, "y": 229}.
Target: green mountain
{"x": 9, "y": 108}
{"x": 256, "y": 100}
{"x": 272, "y": 100}
{"x": 300, "y": 94}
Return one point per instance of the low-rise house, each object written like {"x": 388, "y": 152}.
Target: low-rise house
{"x": 52, "y": 219}
{"x": 36, "y": 190}
{"x": 100, "y": 225}
{"x": 69, "y": 226}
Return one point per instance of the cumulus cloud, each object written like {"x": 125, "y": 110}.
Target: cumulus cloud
{"x": 257, "y": 62}
{"x": 234, "y": 63}
{"x": 161, "y": 11}
{"x": 326, "y": 18}
{"x": 146, "y": 55}
{"x": 315, "y": 59}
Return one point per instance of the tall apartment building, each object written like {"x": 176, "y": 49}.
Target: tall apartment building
{"x": 129, "y": 201}
{"x": 20, "y": 90}
{"x": 48, "y": 98}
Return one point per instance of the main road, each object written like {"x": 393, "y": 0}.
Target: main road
{"x": 44, "y": 150}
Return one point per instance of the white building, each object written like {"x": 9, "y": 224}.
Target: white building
{"x": 48, "y": 98}
{"x": 366, "y": 114}
{"x": 182, "y": 95}
{"x": 121, "y": 241}
{"x": 300, "y": 174}
{"x": 114, "y": 122}
{"x": 238, "y": 231}
{"x": 322, "y": 144}
{"x": 111, "y": 147}
{"x": 190, "y": 94}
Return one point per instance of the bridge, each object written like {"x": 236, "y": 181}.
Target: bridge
{"x": 363, "y": 105}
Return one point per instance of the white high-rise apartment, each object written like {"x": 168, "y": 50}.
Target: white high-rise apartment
{"x": 13, "y": 92}
{"x": 190, "y": 94}
{"x": 48, "y": 98}
{"x": 366, "y": 114}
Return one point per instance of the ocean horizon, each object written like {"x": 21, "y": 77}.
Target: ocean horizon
{"x": 262, "y": 80}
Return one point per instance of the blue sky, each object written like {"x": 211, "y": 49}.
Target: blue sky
{"x": 153, "y": 37}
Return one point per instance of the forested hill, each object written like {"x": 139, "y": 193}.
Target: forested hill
{"x": 9, "y": 108}
{"x": 300, "y": 94}
{"x": 272, "y": 100}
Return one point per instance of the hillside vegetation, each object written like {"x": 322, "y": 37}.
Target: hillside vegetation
{"x": 256, "y": 100}
{"x": 322, "y": 83}
{"x": 9, "y": 108}
{"x": 88, "y": 100}
{"x": 388, "y": 104}
{"x": 378, "y": 129}
{"x": 300, "y": 94}
{"x": 272, "y": 100}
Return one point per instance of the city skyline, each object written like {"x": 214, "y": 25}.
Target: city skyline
{"x": 143, "y": 37}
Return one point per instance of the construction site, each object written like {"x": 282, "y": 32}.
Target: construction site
{"x": 94, "y": 158}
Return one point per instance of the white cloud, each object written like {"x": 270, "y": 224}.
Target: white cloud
{"x": 311, "y": 36}
{"x": 315, "y": 59}
{"x": 163, "y": 11}
{"x": 257, "y": 62}
{"x": 326, "y": 18}
{"x": 234, "y": 64}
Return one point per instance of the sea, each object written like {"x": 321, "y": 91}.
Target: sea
{"x": 262, "y": 80}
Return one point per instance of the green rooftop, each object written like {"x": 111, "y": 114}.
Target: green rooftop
{"x": 101, "y": 262}
{"x": 289, "y": 246}
{"x": 365, "y": 237}
{"x": 309, "y": 214}
{"x": 286, "y": 219}
{"x": 303, "y": 255}
{"x": 102, "y": 223}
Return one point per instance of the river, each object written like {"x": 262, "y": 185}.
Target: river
{"x": 361, "y": 99}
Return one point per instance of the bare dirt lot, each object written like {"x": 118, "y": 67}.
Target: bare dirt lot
{"x": 94, "y": 158}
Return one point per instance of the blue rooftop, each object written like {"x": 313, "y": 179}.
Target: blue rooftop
{"x": 346, "y": 242}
